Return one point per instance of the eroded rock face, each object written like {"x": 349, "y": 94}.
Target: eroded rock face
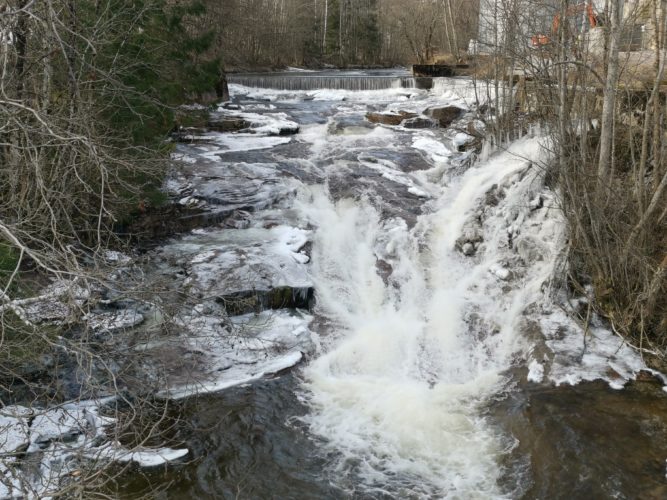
{"x": 389, "y": 118}
{"x": 444, "y": 115}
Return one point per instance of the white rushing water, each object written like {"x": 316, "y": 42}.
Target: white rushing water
{"x": 398, "y": 391}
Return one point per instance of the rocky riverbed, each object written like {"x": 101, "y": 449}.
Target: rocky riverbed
{"x": 367, "y": 303}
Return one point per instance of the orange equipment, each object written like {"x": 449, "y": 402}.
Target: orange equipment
{"x": 576, "y": 10}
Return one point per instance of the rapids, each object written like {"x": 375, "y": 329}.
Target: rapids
{"x": 437, "y": 316}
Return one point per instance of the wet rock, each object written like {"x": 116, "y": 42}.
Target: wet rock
{"x": 389, "y": 118}
{"x": 255, "y": 301}
{"x": 227, "y": 124}
{"x": 493, "y": 196}
{"x": 529, "y": 249}
{"x": 445, "y": 115}
{"x": 476, "y": 128}
{"x": 470, "y": 239}
{"x": 248, "y": 270}
{"x": 418, "y": 122}
{"x": 468, "y": 249}
{"x": 229, "y": 105}
{"x": 384, "y": 269}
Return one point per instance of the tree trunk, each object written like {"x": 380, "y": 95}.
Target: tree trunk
{"x": 609, "y": 103}
{"x": 221, "y": 88}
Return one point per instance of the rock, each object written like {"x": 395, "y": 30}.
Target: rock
{"x": 529, "y": 249}
{"x": 500, "y": 272}
{"x": 255, "y": 301}
{"x": 418, "y": 122}
{"x": 352, "y": 124}
{"x": 493, "y": 196}
{"x": 112, "y": 321}
{"x": 227, "y": 124}
{"x": 468, "y": 249}
{"x": 470, "y": 239}
{"x": 445, "y": 115}
{"x": 389, "y": 118}
{"x": 476, "y": 129}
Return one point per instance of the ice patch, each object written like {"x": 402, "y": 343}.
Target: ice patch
{"x": 269, "y": 123}
{"x": 535, "y": 372}
{"x": 434, "y": 148}
{"x": 56, "y": 439}
{"x": 257, "y": 346}
{"x": 601, "y": 355}
{"x": 461, "y": 139}
{"x": 236, "y": 142}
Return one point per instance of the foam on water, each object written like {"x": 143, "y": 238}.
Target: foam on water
{"x": 398, "y": 388}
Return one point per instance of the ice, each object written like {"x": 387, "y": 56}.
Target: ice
{"x": 237, "y": 142}
{"x": 270, "y": 124}
{"x": 55, "y": 439}
{"x": 144, "y": 458}
{"x": 499, "y": 271}
{"x": 14, "y": 430}
{"x": 433, "y": 147}
{"x": 535, "y": 372}
{"x": 116, "y": 257}
{"x": 461, "y": 139}
{"x": 390, "y": 171}
{"x": 601, "y": 355}
{"x": 257, "y": 346}
{"x": 236, "y": 260}
{"x": 115, "y": 320}
{"x": 183, "y": 158}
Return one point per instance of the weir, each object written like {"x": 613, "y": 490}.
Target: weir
{"x": 281, "y": 81}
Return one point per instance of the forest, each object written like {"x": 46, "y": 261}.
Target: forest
{"x": 341, "y": 33}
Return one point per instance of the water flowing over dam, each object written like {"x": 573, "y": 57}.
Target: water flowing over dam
{"x": 356, "y": 81}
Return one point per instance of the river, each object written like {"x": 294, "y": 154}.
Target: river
{"x": 436, "y": 360}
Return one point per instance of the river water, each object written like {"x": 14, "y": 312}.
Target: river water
{"x": 438, "y": 361}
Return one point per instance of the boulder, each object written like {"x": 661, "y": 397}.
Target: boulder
{"x": 445, "y": 115}
{"x": 470, "y": 239}
{"x": 389, "y": 118}
{"x": 418, "y": 122}
{"x": 227, "y": 124}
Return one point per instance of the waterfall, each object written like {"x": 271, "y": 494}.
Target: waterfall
{"x": 398, "y": 389}
{"x": 313, "y": 82}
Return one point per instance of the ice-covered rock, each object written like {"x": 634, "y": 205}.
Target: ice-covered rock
{"x": 114, "y": 320}
{"x": 444, "y": 115}
{"x": 471, "y": 237}
{"x": 248, "y": 269}
{"x": 231, "y": 353}
{"x": 53, "y": 441}
{"x": 272, "y": 124}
